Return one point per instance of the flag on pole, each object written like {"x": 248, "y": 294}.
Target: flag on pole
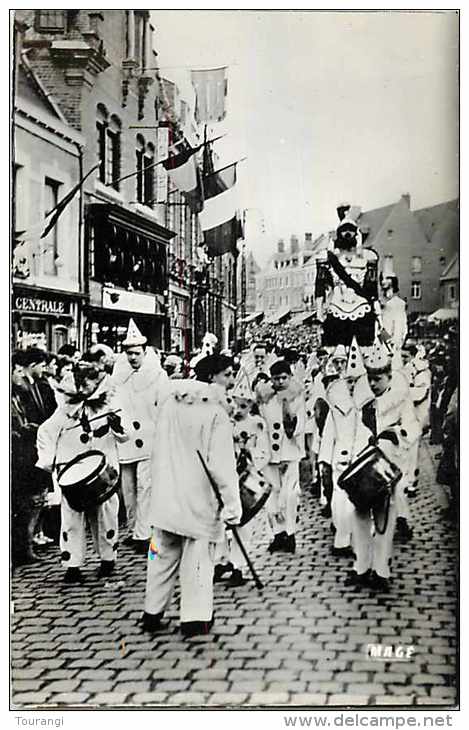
{"x": 219, "y": 181}
{"x": 56, "y": 212}
{"x": 210, "y": 88}
{"x": 219, "y": 219}
{"x": 181, "y": 166}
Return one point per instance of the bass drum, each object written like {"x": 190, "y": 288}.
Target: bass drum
{"x": 88, "y": 480}
{"x": 370, "y": 480}
{"x": 254, "y": 491}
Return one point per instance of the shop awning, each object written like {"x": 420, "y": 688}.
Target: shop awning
{"x": 279, "y": 316}
{"x": 443, "y": 315}
{"x": 302, "y": 318}
{"x": 253, "y": 317}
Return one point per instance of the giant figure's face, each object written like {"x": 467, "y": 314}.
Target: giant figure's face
{"x": 346, "y": 236}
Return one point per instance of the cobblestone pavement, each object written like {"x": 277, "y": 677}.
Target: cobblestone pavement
{"x": 302, "y": 642}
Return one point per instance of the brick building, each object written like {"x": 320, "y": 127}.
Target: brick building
{"x": 137, "y": 238}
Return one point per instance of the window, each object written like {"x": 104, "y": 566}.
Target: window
{"x": 390, "y": 232}
{"x": 416, "y": 290}
{"x": 109, "y": 147}
{"x": 416, "y": 264}
{"x": 452, "y": 292}
{"x": 442, "y": 260}
{"x": 50, "y": 20}
{"x": 388, "y": 267}
{"x": 49, "y": 251}
{"x": 149, "y": 175}
{"x": 139, "y": 154}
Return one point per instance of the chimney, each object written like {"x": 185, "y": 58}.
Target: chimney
{"x": 281, "y": 246}
{"x": 406, "y": 198}
{"x": 308, "y": 240}
{"x": 294, "y": 245}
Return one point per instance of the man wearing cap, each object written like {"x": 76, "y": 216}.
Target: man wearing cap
{"x": 389, "y": 418}
{"x": 283, "y": 411}
{"x": 141, "y": 384}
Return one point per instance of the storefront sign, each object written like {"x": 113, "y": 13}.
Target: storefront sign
{"x": 40, "y": 305}
{"x": 128, "y": 301}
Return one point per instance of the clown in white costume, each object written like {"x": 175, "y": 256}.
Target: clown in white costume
{"x": 343, "y": 438}
{"x": 283, "y": 410}
{"x": 184, "y": 514}
{"x": 420, "y": 381}
{"x": 141, "y": 384}
{"x": 388, "y": 417}
{"x": 394, "y": 315}
{"x": 252, "y": 452}
{"x": 90, "y": 418}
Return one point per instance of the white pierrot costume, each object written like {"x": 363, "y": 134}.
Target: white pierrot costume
{"x": 68, "y": 433}
{"x": 139, "y": 391}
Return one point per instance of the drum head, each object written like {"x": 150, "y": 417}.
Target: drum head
{"x": 81, "y": 469}
{"x": 355, "y": 468}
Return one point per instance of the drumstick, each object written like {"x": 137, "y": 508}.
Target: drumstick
{"x": 257, "y": 580}
{"x": 95, "y": 418}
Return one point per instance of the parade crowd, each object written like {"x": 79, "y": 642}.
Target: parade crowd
{"x": 188, "y": 458}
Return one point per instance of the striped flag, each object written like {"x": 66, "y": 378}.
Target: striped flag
{"x": 181, "y": 166}
{"x": 219, "y": 219}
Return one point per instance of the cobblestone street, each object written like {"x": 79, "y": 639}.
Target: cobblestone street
{"x": 302, "y": 642}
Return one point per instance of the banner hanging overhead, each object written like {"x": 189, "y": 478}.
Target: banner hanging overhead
{"x": 210, "y": 88}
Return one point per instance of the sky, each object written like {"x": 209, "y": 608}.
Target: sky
{"x": 326, "y": 107}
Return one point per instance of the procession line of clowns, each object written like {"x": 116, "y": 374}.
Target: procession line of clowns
{"x": 171, "y": 439}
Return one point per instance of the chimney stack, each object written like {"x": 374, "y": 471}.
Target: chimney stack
{"x": 308, "y": 240}
{"x": 406, "y": 197}
{"x": 281, "y": 246}
{"x": 294, "y": 245}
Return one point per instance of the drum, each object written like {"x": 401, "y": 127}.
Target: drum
{"x": 369, "y": 481}
{"x": 88, "y": 480}
{"x": 254, "y": 492}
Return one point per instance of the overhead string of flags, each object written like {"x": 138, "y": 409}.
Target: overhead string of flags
{"x": 210, "y": 193}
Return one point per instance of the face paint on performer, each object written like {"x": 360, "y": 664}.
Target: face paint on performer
{"x": 135, "y": 355}
{"x": 243, "y": 407}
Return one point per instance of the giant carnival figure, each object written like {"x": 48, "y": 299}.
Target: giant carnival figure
{"x": 347, "y": 284}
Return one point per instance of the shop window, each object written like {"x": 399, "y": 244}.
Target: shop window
{"x": 49, "y": 252}
{"x": 416, "y": 290}
{"x": 50, "y": 20}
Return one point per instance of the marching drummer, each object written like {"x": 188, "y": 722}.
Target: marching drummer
{"x": 89, "y": 419}
{"x": 389, "y": 418}
{"x": 282, "y": 408}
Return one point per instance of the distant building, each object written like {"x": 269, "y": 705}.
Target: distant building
{"x": 418, "y": 245}
{"x": 252, "y": 269}
{"x": 449, "y": 285}
{"x": 280, "y": 286}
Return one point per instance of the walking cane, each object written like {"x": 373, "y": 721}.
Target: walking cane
{"x": 257, "y": 580}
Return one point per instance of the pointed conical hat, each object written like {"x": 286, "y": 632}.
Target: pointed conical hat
{"x": 340, "y": 353}
{"x": 355, "y": 364}
{"x": 379, "y": 357}
{"x": 242, "y": 387}
{"x": 134, "y": 336}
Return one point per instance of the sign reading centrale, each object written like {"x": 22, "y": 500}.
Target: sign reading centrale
{"x": 41, "y": 305}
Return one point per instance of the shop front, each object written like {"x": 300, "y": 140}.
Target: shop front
{"x": 126, "y": 260}
{"x": 44, "y": 318}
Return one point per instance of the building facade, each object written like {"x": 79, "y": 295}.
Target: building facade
{"x": 47, "y": 281}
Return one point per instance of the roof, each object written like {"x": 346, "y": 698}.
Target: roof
{"x": 29, "y": 89}
{"x": 452, "y": 270}
{"x": 375, "y": 220}
{"x": 432, "y": 218}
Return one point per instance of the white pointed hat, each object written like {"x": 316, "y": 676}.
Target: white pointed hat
{"x": 379, "y": 359}
{"x": 242, "y": 387}
{"x": 134, "y": 336}
{"x": 355, "y": 364}
{"x": 340, "y": 353}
